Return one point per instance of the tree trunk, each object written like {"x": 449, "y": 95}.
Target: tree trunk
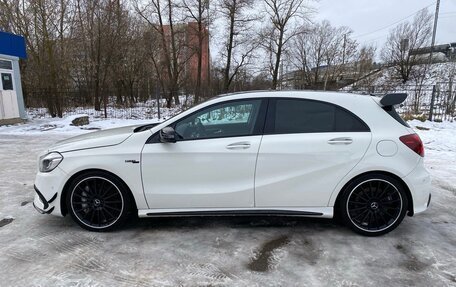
{"x": 200, "y": 63}
{"x": 275, "y": 74}
{"x": 226, "y": 72}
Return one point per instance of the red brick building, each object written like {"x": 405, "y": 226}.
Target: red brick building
{"x": 192, "y": 42}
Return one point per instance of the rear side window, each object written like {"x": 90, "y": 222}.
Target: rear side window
{"x": 347, "y": 122}
{"x": 309, "y": 116}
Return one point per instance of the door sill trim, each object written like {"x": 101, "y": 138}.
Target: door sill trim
{"x": 324, "y": 212}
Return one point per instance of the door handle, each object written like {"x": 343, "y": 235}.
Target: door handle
{"x": 340, "y": 141}
{"x": 239, "y": 145}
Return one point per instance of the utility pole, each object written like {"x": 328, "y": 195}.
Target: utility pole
{"x": 157, "y": 98}
{"x": 343, "y": 55}
{"x": 436, "y": 18}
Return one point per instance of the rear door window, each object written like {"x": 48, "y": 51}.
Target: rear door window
{"x": 288, "y": 116}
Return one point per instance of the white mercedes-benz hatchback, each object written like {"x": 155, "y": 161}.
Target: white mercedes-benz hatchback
{"x": 294, "y": 153}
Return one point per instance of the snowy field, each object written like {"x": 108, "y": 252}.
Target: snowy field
{"x": 39, "y": 250}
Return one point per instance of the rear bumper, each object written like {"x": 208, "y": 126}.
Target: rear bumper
{"x": 419, "y": 183}
{"x": 48, "y": 189}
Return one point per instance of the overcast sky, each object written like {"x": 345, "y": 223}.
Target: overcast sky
{"x": 372, "y": 20}
{"x": 366, "y": 17}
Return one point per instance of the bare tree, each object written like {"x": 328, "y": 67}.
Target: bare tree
{"x": 364, "y": 67}
{"x": 46, "y": 25}
{"x": 339, "y": 57}
{"x": 406, "y": 37}
{"x": 323, "y": 55}
{"x": 100, "y": 27}
{"x": 160, "y": 14}
{"x": 239, "y": 42}
{"x": 130, "y": 68}
{"x": 197, "y": 12}
{"x": 286, "y": 18}
{"x": 78, "y": 51}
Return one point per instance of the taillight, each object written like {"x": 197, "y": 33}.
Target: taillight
{"x": 414, "y": 142}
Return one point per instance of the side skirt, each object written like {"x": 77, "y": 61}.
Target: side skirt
{"x": 322, "y": 212}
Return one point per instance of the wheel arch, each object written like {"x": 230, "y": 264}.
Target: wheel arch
{"x": 410, "y": 210}
{"x": 65, "y": 190}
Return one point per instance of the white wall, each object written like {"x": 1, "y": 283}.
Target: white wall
{"x": 8, "y": 105}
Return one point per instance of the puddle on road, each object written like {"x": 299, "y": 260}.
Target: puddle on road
{"x": 265, "y": 258}
{"x": 5, "y": 221}
{"x": 416, "y": 265}
{"x": 412, "y": 263}
{"x": 25, "y": 203}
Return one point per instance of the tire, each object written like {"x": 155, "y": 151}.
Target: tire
{"x": 373, "y": 204}
{"x": 98, "y": 201}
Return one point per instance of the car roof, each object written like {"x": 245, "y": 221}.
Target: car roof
{"x": 310, "y": 94}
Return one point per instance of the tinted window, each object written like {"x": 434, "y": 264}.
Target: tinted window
{"x": 347, "y": 122}
{"x": 307, "y": 116}
{"x": 230, "y": 119}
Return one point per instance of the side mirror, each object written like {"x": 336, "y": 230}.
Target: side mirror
{"x": 167, "y": 135}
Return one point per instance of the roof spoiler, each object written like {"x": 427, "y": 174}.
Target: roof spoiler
{"x": 393, "y": 99}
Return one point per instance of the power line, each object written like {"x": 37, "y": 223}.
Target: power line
{"x": 392, "y": 24}
{"x": 374, "y": 40}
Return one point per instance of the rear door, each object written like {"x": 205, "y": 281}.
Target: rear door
{"x": 307, "y": 148}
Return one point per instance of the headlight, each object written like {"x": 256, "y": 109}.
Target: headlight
{"x": 50, "y": 161}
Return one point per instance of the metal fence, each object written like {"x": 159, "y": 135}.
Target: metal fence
{"x": 431, "y": 102}
{"x": 39, "y": 103}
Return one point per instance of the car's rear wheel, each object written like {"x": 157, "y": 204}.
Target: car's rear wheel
{"x": 373, "y": 204}
{"x": 98, "y": 201}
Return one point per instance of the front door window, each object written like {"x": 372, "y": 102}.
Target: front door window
{"x": 232, "y": 119}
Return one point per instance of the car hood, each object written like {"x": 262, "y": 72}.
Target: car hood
{"x": 96, "y": 139}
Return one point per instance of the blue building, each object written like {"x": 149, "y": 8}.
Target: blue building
{"x": 12, "y": 108}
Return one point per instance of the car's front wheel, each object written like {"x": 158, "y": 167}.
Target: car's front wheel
{"x": 98, "y": 201}
{"x": 373, "y": 204}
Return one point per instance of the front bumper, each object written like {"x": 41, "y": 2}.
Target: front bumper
{"x": 46, "y": 208}
{"x": 48, "y": 190}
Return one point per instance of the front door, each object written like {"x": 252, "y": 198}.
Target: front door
{"x": 212, "y": 164}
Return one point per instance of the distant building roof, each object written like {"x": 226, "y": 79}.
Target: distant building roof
{"x": 12, "y": 45}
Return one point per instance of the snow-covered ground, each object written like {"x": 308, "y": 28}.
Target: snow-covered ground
{"x": 64, "y": 126}
{"x": 40, "y": 250}
{"x": 387, "y": 78}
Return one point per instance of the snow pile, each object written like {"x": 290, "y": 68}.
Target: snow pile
{"x": 440, "y": 150}
{"x": 387, "y": 80}
{"x": 435, "y": 74}
{"x": 143, "y": 110}
{"x": 58, "y": 125}
{"x": 435, "y": 135}
{"x": 40, "y": 121}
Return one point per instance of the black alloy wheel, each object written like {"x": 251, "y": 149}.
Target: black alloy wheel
{"x": 374, "y": 205}
{"x": 98, "y": 202}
